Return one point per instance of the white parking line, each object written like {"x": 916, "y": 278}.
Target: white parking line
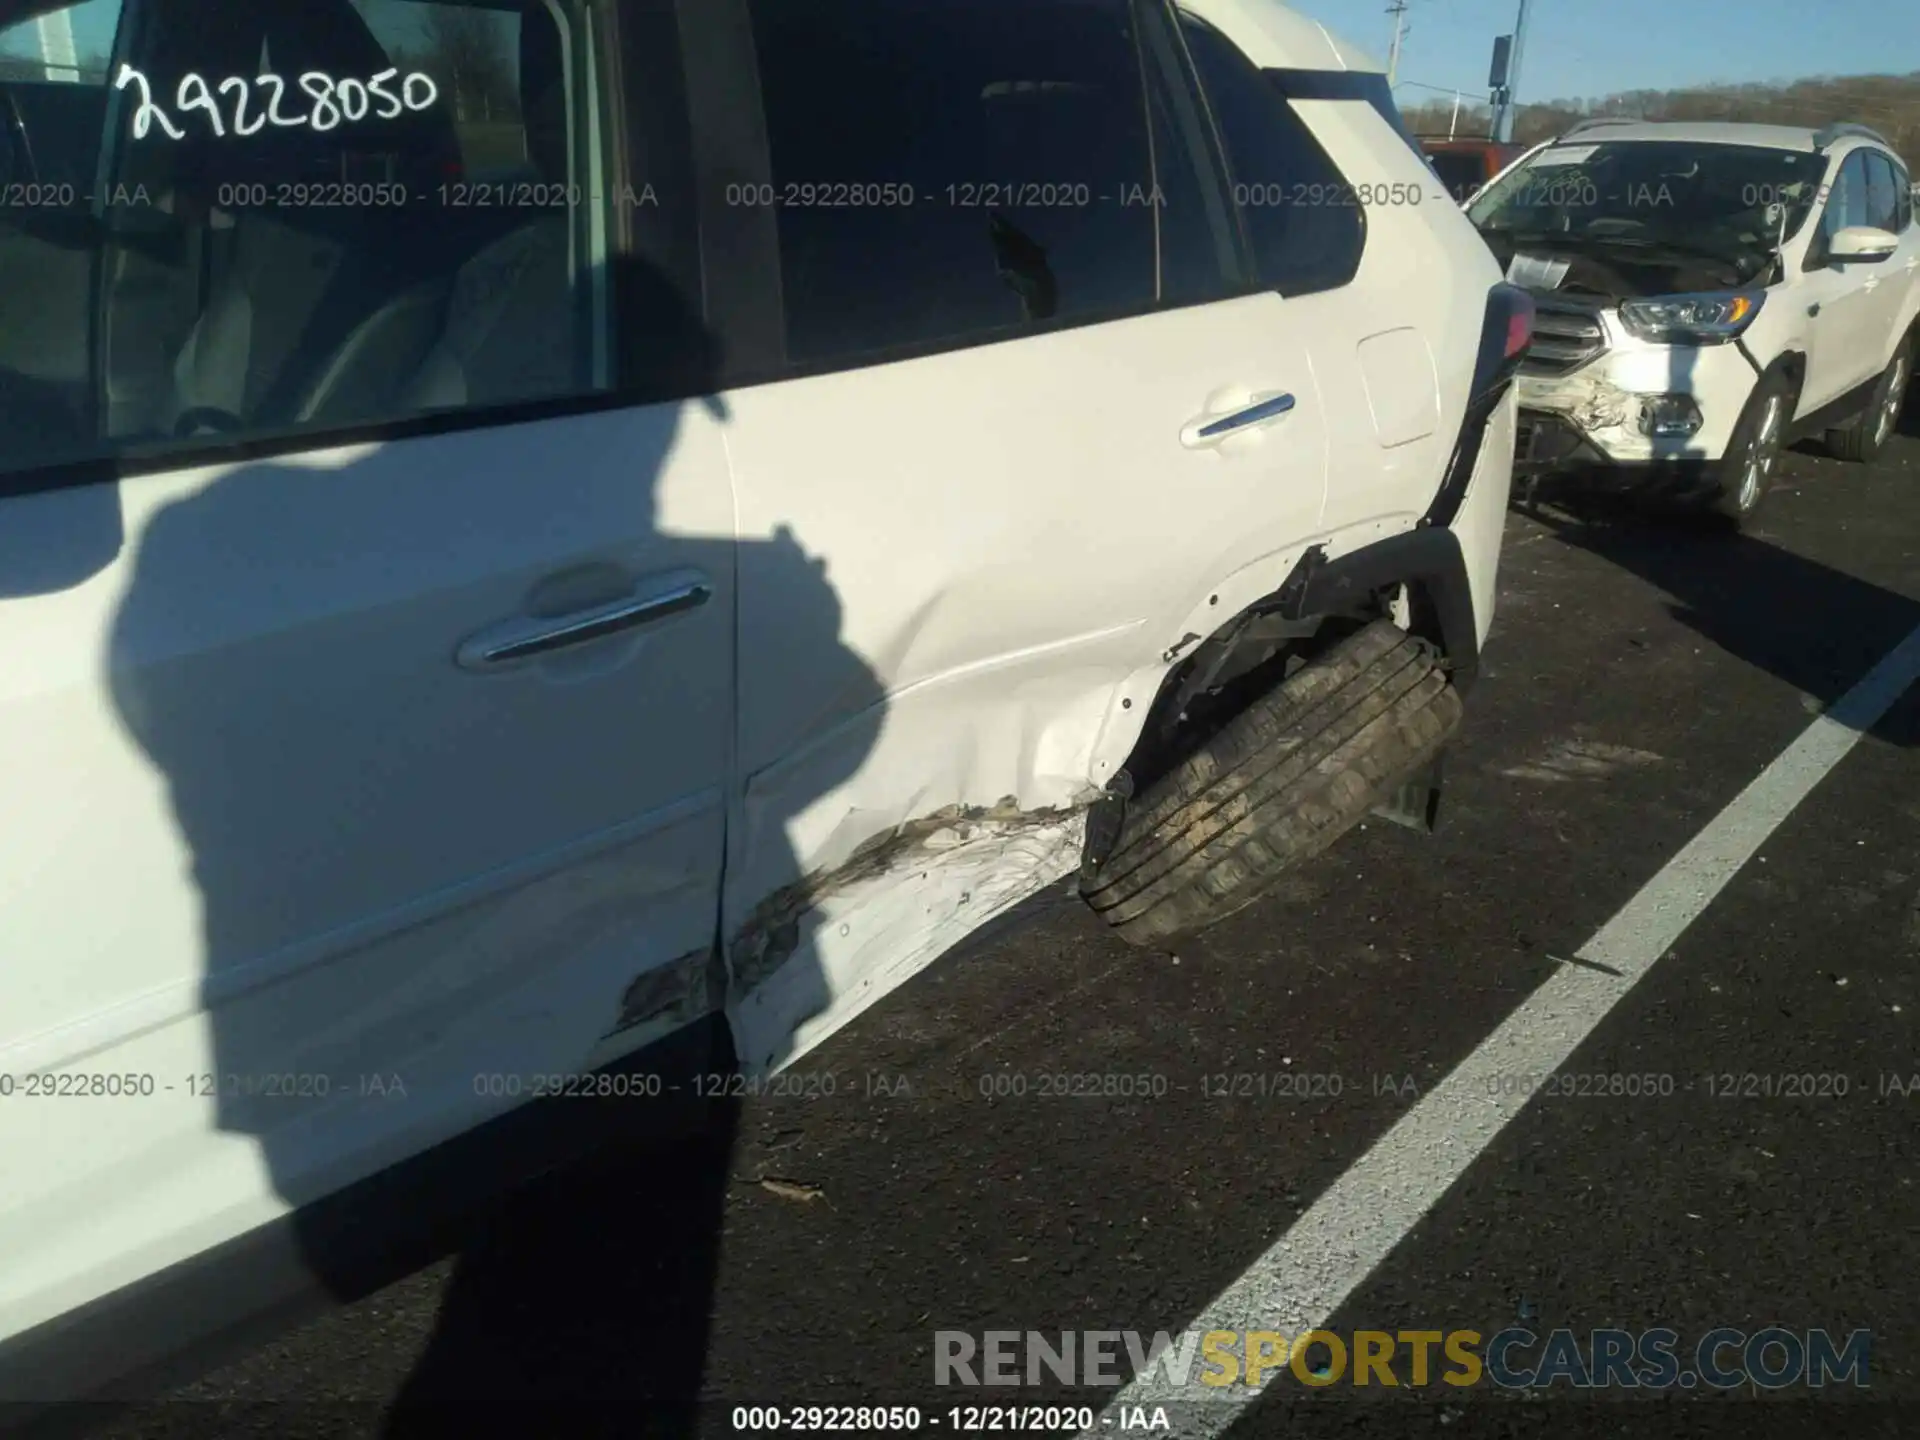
{"x": 1299, "y": 1284}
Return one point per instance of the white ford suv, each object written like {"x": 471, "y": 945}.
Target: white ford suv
{"x": 1708, "y": 293}
{"x": 681, "y": 511}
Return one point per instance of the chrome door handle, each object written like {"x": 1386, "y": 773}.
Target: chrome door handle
{"x": 527, "y": 637}
{"x": 1208, "y": 432}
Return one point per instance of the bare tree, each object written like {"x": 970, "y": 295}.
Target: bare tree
{"x": 1889, "y": 103}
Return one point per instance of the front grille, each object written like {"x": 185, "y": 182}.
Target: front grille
{"x": 1566, "y": 335}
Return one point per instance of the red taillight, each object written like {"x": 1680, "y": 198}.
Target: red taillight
{"x": 1505, "y": 334}
{"x": 1519, "y": 324}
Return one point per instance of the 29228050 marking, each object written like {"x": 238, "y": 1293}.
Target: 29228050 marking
{"x": 1074, "y": 1085}
{"x": 824, "y": 1418}
{"x": 70, "y": 1085}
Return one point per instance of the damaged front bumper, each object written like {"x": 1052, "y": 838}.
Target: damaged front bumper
{"x": 1552, "y": 455}
{"x": 1595, "y": 422}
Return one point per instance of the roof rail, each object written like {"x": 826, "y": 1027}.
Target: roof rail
{"x": 1826, "y": 136}
{"x": 1580, "y": 126}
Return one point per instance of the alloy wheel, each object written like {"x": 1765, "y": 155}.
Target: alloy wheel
{"x": 1762, "y": 455}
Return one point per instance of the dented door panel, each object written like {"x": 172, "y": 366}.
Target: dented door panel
{"x": 1010, "y": 535}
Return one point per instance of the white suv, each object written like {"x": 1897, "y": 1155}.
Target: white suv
{"x": 685, "y": 512}
{"x": 1708, "y": 293}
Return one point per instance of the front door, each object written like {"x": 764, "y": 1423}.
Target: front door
{"x": 367, "y": 686}
{"x": 1847, "y": 322}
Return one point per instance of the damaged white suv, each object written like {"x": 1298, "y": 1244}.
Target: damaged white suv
{"x": 1708, "y": 293}
{"x": 486, "y": 588}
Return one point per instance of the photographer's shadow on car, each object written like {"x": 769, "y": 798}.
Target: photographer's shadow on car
{"x": 445, "y": 726}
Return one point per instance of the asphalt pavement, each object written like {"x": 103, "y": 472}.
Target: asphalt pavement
{"x": 938, "y": 1173}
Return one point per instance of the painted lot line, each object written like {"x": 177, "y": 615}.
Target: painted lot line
{"x": 1300, "y": 1282}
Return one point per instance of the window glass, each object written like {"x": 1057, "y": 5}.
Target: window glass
{"x": 1303, "y": 220}
{"x": 1903, "y": 199}
{"x": 1200, "y": 255}
{"x": 951, "y": 169}
{"x": 1847, "y": 201}
{"x": 298, "y": 217}
{"x": 473, "y": 55}
{"x": 54, "y": 70}
{"x": 53, "y": 106}
{"x": 1883, "y": 193}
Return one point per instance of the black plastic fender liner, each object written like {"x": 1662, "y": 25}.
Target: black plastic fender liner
{"x": 1505, "y": 333}
{"x": 1429, "y": 557}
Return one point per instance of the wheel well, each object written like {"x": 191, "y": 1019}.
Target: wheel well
{"x": 1792, "y": 366}
{"x": 1248, "y": 656}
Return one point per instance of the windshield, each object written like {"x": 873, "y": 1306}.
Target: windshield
{"x": 1683, "y": 194}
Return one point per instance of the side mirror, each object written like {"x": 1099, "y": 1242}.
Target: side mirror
{"x": 1863, "y": 243}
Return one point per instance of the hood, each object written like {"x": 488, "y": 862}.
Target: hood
{"x": 1574, "y": 265}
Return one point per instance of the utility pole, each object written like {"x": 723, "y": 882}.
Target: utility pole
{"x": 1398, "y": 10}
{"x": 1504, "y": 132}
{"x": 1453, "y": 125}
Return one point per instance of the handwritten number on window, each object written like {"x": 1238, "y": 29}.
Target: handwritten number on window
{"x": 334, "y": 101}
{"x": 194, "y": 95}
{"x": 148, "y": 113}
{"x": 386, "y": 97}
{"x": 240, "y": 125}
{"x": 326, "y": 110}
{"x": 273, "y": 105}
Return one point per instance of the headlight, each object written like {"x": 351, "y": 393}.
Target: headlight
{"x": 1709, "y": 319}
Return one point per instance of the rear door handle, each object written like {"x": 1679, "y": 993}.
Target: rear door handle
{"x": 527, "y": 637}
{"x": 1212, "y": 429}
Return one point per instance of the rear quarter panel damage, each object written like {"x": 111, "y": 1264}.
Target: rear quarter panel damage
{"x": 813, "y": 956}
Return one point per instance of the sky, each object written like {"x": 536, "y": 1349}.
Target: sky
{"x": 1574, "y": 48}
{"x": 1577, "y": 48}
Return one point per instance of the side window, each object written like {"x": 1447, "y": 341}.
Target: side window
{"x": 53, "y": 108}
{"x": 1201, "y": 247}
{"x": 1903, "y": 199}
{"x": 310, "y": 216}
{"x": 1306, "y": 229}
{"x": 1883, "y": 192}
{"x": 53, "y": 72}
{"x": 1847, "y": 201}
{"x": 950, "y": 170}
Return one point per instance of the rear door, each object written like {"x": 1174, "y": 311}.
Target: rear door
{"x": 364, "y": 737}
{"x": 1039, "y": 430}
{"x": 1376, "y": 269}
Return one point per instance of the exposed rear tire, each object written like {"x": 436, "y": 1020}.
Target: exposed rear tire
{"x": 1279, "y": 783}
{"x": 1863, "y": 437}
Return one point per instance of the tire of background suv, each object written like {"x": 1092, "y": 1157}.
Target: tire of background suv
{"x": 1282, "y": 781}
{"x": 1745, "y": 472}
{"x": 1863, "y": 437}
